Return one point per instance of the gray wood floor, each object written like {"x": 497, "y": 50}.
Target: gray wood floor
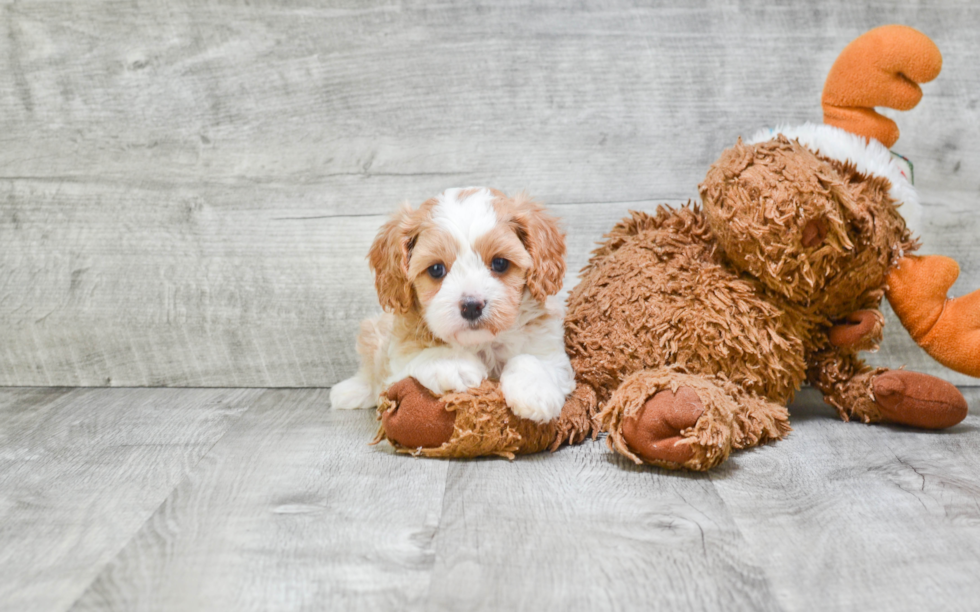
{"x": 214, "y": 499}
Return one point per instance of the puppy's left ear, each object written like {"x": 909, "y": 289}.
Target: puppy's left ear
{"x": 545, "y": 243}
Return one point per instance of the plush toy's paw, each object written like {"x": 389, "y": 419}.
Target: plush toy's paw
{"x": 654, "y": 431}
{"x": 919, "y": 400}
{"x": 351, "y": 394}
{"x": 419, "y": 419}
{"x": 860, "y": 330}
{"x": 445, "y": 375}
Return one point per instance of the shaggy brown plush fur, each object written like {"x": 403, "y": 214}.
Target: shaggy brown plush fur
{"x": 739, "y": 301}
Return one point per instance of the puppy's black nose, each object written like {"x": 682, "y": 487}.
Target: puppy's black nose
{"x": 471, "y": 308}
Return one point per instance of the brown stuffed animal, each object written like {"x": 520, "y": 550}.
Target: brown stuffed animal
{"x": 692, "y": 328}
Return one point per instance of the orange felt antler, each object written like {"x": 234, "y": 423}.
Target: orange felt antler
{"x": 882, "y": 67}
{"x": 948, "y": 329}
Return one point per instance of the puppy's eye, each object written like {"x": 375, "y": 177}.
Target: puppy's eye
{"x": 437, "y": 271}
{"x": 499, "y": 265}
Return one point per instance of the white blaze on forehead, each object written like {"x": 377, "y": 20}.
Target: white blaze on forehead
{"x": 470, "y": 277}
{"x": 465, "y": 219}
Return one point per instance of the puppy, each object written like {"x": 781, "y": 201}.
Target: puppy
{"x": 467, "y": 281}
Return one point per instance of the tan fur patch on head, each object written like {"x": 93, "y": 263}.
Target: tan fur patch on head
{"x": 391, "y": 252}
{"x": 434, "y": 246}
{"x": 541, "y": 237}
{"x": 502, "y": 242}
{"x": 389, "y": 257}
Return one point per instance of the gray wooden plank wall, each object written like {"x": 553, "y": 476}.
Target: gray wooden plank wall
{"x": 188, "y": 190}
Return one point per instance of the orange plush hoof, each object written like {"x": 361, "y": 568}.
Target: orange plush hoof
{"x": 919, "y": 400}
{"x": 653, "y": 433}
{"x": 419, "y": 419}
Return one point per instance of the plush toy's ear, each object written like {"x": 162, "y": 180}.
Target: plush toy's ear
{"x": 389, "y": 257}
{"x": 882, "y": 67}
{"x": 545, "y": 243}
{"x": 948, "y": 329}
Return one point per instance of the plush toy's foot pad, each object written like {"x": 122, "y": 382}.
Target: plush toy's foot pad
{"x": 671, "y": 419}
{"x": 419, "y": 419}
{"x": 654, "y": 431}
{"x": 919, "y": 400}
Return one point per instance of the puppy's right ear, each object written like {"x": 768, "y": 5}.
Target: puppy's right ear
{"x": 389, "y": 257}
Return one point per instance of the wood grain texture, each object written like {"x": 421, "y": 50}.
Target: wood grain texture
{"x": 590, "y": 531}
{"x": 308, "y": 516}
{"x": 290, "y": 509}
{"x": 888, "y": 517}
{"x": 187, "y": 191}
{"x": 82, "y": 470}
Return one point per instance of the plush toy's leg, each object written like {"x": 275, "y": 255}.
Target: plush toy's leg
{"x": 874, "y": 395}
{"x": 679, "y": 420}
{"x": 475, "y": 423}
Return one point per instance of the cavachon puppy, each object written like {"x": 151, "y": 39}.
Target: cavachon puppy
{"x": 467, "y": 281}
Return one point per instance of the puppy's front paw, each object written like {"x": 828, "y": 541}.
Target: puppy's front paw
{"x": 532, "y": 396}
{"x": 444, "y": 375}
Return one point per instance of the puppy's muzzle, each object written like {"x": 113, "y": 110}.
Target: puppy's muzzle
{"x": 471, "y": 308}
